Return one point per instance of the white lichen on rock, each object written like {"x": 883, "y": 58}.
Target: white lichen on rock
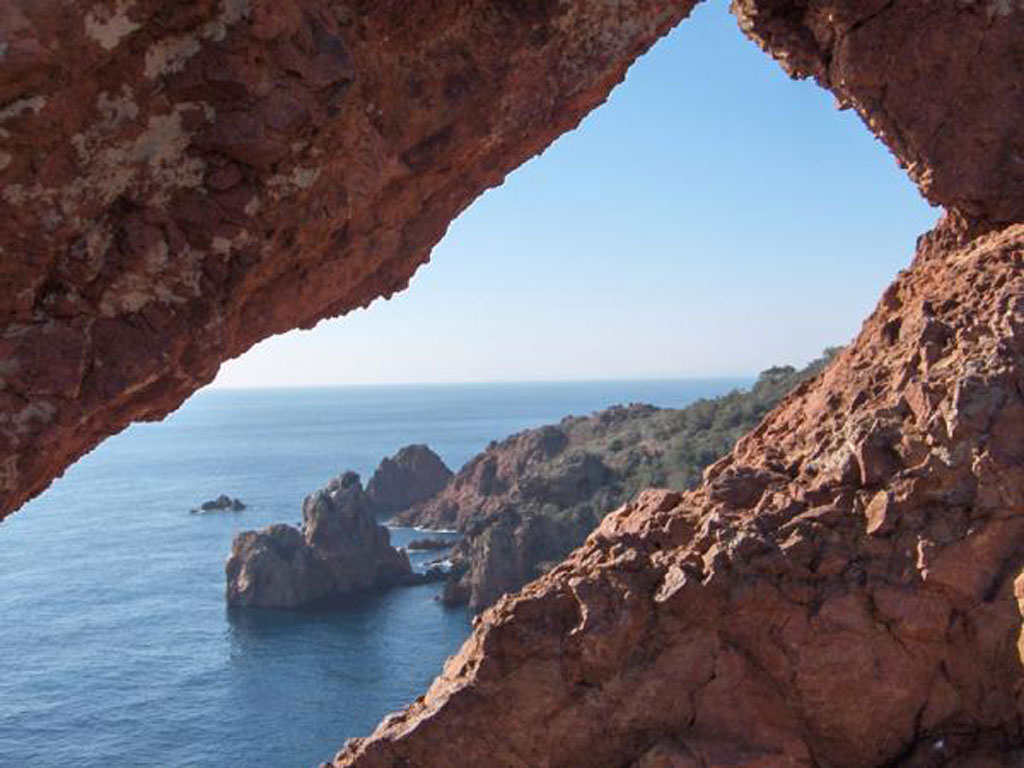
{"x": 299, "y": 178}
{"x": 109, "y": 27}
{"x": 32, "y": 104}
{"x": 168, "y": 56}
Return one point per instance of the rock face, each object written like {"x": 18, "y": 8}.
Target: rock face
{"x": 508, "y": 550}
{"x": 842, "y": 590}
{"x": 410, "y": 477}
{"x": 207, "y": 174}
{"x": 937, "y": 82}
{"x": 178, "y": 181}
{"x": 210, "y": 174}
{"x": 222, "y": 503}
{"x": 340, "y": 549}
{"x": 524, "y": 503}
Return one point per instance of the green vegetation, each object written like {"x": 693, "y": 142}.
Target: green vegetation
{"x": 559, "y": 481}
{"x": 646, "y": 447}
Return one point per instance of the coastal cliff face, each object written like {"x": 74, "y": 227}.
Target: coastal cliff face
{"x": 339, "y": 549}
{"x": 524, "y": 503}
{"x": 842, "y": 590}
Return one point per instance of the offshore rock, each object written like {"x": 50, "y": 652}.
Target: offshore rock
{"x": 340, "y": 549}
{"x": 222, "y": 503}
{"x": 429, "y": 545}
{"x": 410, "y": 477}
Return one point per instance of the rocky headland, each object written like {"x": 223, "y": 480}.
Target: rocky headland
{"x": 525, "y": 502}
{"x": 340, "y": 549}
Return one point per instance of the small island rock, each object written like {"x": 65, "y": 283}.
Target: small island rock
{"x": 222, "y": 503}
{"x": 429, "y": 545}
{"x": 339, "y": 549}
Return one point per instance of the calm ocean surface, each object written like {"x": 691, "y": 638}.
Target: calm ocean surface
{"x": 116, "y": 648}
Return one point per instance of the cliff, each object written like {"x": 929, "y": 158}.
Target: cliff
{"x": 841, "y": 590}
{"x": 339, "y": 549}
{"x": 523, "y": 504}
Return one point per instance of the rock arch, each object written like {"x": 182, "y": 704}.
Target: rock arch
{"x": 180, "y": 181}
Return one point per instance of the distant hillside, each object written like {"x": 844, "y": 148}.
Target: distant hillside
{"x": 526, "y": 502}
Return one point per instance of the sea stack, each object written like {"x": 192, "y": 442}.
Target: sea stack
{"x": 410, "y": 477}
{"x": 339, "y": 549}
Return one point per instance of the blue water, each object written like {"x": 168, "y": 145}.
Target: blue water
{"x": 116, "y": 648}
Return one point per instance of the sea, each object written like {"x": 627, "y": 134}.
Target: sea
{"x": 116, "y": 645}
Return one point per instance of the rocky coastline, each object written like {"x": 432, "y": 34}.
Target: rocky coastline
{"x": 520, "y": 506}
{"x": 340, "y": 546}
{"x": 844, "y": 589}
{"x": 526, "y": 502}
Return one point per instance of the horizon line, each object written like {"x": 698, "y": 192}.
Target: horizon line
{"x": 494, "y": 382}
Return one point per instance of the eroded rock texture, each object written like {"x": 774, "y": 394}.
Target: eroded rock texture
{"x": 339, "y": 549}
{"x": 181, "y": 180}
{"x": 839, "y": 592}
{"x": 939, "y": 82}
{"x": 411, "y": 476}
{"x": 526, "y": 502}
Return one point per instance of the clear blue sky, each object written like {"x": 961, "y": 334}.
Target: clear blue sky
{"x": 713, "y": 218}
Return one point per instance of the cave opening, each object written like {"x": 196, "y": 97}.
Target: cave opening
{"x": 788, "y": 196}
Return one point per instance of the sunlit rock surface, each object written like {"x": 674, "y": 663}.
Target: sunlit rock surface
{"x": 178, "y": 181}
{"x": 181, "y": 180}
{"x": 840, "y": 591}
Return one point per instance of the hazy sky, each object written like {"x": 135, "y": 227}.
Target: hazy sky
{"x": 713, "y": 218}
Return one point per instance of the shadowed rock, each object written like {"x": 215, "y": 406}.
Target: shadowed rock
{"x": 410, "y": 477}
{"x": 429, "y": 545}
{"x": 222, "y": 503}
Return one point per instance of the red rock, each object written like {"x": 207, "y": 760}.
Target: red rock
{"x": 816, "y": 643}
{"x": 237, "y": 169}
{"x": 411, "y": 476}
{"x": 769, "y": 628}
{"x": 339, "y": 549}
